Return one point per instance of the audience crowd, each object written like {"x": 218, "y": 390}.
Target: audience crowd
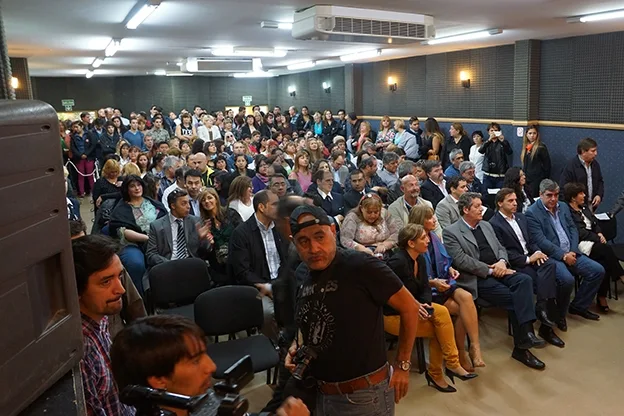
{"x": 446, "y": 211}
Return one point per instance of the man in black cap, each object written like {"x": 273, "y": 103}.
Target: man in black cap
{"x": 339, "y": 313}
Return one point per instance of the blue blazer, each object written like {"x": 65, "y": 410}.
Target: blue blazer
{"x": 543, "y": 231}
{"x": 507, "y": 237}
{"x": 336, "y": 207}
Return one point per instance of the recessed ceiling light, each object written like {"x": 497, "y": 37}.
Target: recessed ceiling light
{"x": 259, "y": 74}
{"x": 464, "y": 37}
{"x": 142, "y": 14}
{"x": 112, "y": 47}
{"x": 360, "y": 55}
{"x": 301, "y": 65}
{"x": 97, "y": 62}
{"x": 89, "y": 74}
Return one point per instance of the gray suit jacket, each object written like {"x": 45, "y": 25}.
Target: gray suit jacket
{"x": 160, "y": 243}
{"x": 462, "y": 247}
{"x": 343, "y": 174}
{"x": 447, "y": 212}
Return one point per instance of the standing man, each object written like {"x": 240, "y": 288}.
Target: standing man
{"x": 134, "y": 137}
{"x": 98, "y": 279}
{"x": 447, "y": 211}
{"x": 294, "y": 118}
{"x": 585, "y": 169}
{"x": 414, "y": 129}
{"x": 552, "y": 228}
{"x": 342, "y": 123}
{"x": 340, "y": 317}
{"x": 495, "y": 162}
{"x": 434, "y": 188}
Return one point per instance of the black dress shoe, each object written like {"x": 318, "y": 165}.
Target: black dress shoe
{"x": 528, "y": 359}
{"x": 543, "y": 317}
{"x": 548, "y": 334}
{"x": 585, "y": 314}
{"x": 563, "y": 325}
{"x": 531, "y": 341}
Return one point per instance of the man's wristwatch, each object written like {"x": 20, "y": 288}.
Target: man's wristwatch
{"x": 404, "y": 365}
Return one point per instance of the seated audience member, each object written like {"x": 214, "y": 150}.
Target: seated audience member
{"x": 482, "y": 263}
{"x": 370, "y": 228}
{"x": 406, "y": 140}
{"x": 178, "y": 235}
{"x": 495, "y": 153}
{"x": 178, "y": 184}
{"x": 409, "y": 264}
{"x": 323, "y": 165}
{"x": 240, "y": 197}
{"x": 447, "y": 211}
{"x": 130, "y": 222}
{"x": 467, "y": 170}
{"x": 368, "y": 167}
{"x": 261, "y": 179}
{"x": 434, "y": 188}
{"x": 578, "y": 168}
{"x": 159, "y": 132}
{"x": 168, "y": 352}
{"x": 442, "y": 280}
{"x": 357, "y": 189}
{"x": 395, "y": 191}
{"x": 302, "y": 172}
{"x": 200, "y": 161}
{"x": 592, "y": 242}
{"x": 400, "y": 209}
{"x": 152, "y": 183}
{"x": 100, "y": 294}
{"x": 193, "y": 185}
{"x": 456, "y": 157}
{"x": 512, "y": 229}
{"x": 170, "y": 164}
{"x": 552, "y": 228}
{"x": 389, "y": 173}
{"x": 222, "y": 223}
{"x": 130, "y": 168}
{"x": 515, "y": 179}
{"x": 108, "y": 184}
{"x": 278, "y": 184}
{"x": 338, "y": 167}
{"x": 77, "y": 229}
{"x": 419, "y": 171}
{"x": 333, "y": 203}
{"x": 256, "y": 252}
{"x": 241, "y": 167}
{"x": 238, "y": 149}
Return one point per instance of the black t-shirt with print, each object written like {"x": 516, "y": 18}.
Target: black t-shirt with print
{"x": 340, "y": 314}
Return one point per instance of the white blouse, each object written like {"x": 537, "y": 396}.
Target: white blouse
{"x": 477, "y": 159}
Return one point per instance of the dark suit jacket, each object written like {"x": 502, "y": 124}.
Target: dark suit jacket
{"x": 247, "y": 262}
{"x": 575, "y": 172}
{"x": 335, "y": 207}
{"x": 536, "y": 168}
{"x": 351, "y": 200}
{"x": 160, "y": 243}
{"x": 477, "y": 186}
{"x": 543, "y": 231}
{"x": 509, "y": 240}
{"x": 431, "y": 192}
{"x": 584, "y": 233}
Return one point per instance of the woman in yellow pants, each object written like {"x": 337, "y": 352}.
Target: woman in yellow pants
{"x": 435, "y": 321}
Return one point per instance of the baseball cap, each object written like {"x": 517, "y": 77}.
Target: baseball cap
{"x": 320, "y": 218}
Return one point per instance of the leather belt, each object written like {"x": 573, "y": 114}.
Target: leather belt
{"x": 494, "y": 175}
{"x": 360, "y": 383}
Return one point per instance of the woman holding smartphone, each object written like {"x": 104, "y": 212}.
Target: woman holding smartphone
{"x": 410, "y": 265}
{"x": 442, "y": 279}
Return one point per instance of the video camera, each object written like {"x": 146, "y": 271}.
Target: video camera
{"x": 223, "y": 400}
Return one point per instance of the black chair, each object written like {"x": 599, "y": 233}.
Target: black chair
{"x": 227, "y": 310}
{"x": 481, "y": 304}
{"x": 175, "y": 285}
{"x": 392, "y": 340}
{"x": 609, "y": 230}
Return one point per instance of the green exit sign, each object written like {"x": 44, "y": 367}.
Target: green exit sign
{"x": 67, "y": 102}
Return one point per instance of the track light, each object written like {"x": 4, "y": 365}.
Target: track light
{"x": 360, "y": 55}
{"x": 301, "y": 65}
{"x": 596, "y": 17}
{"x": 112, "y": 47}
{"x": 463, "y": 37}
{"x": 89, "y": 74}
{"x": 142, "y": 13}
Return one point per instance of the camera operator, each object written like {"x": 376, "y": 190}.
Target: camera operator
{"x": 168, "y": 352}
{"x": 340, "y": 316}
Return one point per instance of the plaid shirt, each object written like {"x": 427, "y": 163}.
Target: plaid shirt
{"x": 101, "y": 394}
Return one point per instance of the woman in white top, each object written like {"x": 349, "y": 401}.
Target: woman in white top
{"x": 208, "y": 131}
{"x": 240, "y": 197}
{"x": 475, "y": 156}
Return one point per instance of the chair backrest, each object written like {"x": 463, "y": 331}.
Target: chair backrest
{"x": 178, "y": 282}
{"x": 229, "y": 309}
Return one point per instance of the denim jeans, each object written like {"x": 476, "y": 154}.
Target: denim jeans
{"x": 133, "y": 260}
{"x": 591, "y": 273}
{"x": 377, "y": 400}
{"x": 492, "y": 182}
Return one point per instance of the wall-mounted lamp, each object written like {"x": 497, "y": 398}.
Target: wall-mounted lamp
{"x": 292, "y": 90}
{"x": 327, "y": 87}
{"x": 392, "y": 85}
{"x": 14, "y": 83}
{"x": 464, "y": 77}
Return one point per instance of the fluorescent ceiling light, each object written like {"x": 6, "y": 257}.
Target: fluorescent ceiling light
{"x": 258, "y": 74}
{"x": 160, "y": 72}
{"x": 112, "y": 47}
{"x": 360, "y": 55}
{"x": 142, "y": 14}
{"x": 301, "y": 65}
{"x": 97, "y": 62}
{"x": 463, "y": 37}
{"x": 89, "y": 74}
{"x": 251, "y": 52}
{"x": 179, "y": 74}
{"x": 616, "y": 14}
{"x": 276, "y": 25}
{"x": 284, "y": 26}
{"x": 256, "y": 64}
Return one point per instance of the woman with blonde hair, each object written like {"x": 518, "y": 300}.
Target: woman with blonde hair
{"x": 410, "y": 265}
{"x": 108, "y": 184}
{"x": 240, "y": 197}
{"x": 313, "y": 146}
{"x": 535, "y": 159}
{"x": 302, "y": 172}
{"x": 386, "y": 133}
{"x": 370, "y": 228}
{"x": 131, "y": 168}
{"x": 365, "y": 135}
{"x": 443, "y": 283}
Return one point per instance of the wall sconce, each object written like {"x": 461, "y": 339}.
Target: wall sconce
{"x": 327, "y": 87}
{"x": 464, "y": 77}
{"x": 14, "y": 83}
{"x": 392, "y": 85}
{"x": 292, "y": 90}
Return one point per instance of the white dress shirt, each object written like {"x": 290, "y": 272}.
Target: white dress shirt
{"x": 514, "y": 226}
{"x": 270, "y": 248}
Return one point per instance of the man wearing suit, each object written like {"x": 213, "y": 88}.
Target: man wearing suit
{"x": 552, "y": 228}
{"x": 484, "y": 270}
{"x": 434, "y": 188}
{"x": 359, "y": 188}
{"x": 447, "y": 211}
{"x": 338, "y": 168}
{"x": 512, "y": 230}
{"x": 333, "y": 203}
{"x": 177, "y": 235}
{"x": 585, "y": 169}
{"x": 256, "y": 252}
